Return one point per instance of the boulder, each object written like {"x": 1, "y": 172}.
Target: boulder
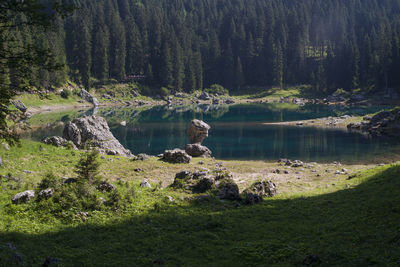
{"x": 198, "y": 131}
{"x": 141, "y": 157}
{"x": 23, "y": 197}
{"x": 55, "y": 141}
{"x": 88, "y": 97}
{"x": 46, "y": 193}
{"x": 252, "y": 198}
{"x": 264, "y": 188}
{"x": 228, "y": 189}
{"x": 19, "y": 105}
{"x": 176, "y": 156}
{"x": 1, "y": 162}
{"x": 93, "y": 131}
{"x": 106, "y": 187}
{"x": 197, "y": 150}
{"x": 145, "y": 184}
{"x": 203, "y": 185}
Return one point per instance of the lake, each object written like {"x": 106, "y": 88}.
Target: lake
{"x": 238, "y": 132}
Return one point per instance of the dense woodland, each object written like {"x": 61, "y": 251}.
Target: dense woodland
{"x": 190, "y": 44}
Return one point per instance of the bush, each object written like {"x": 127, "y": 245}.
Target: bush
{"x": 217, "y": 89}
{"x": 65, "y": 93}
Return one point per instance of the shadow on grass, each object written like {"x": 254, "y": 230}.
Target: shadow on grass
{"x": 354, "y": 227}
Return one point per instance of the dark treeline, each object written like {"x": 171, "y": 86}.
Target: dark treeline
{"x": 191, "y": 44}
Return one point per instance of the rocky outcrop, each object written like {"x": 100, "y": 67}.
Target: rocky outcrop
{"x": 176, "y": 156}
{"x": 228, "y": 189}
{"x": 198, "y": 131}
{"x": 93, "y": 132}
{"x": 255, "y": 193}
{"x": 19, "y": 105}
{"x": 385, "y": 123}
{"x": 88, "y": 97}
{"x": 197, "y": 150}
{"x": 23, "y": 197}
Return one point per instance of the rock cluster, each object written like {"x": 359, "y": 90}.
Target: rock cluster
{"x": 19, "y": 105}
{"x": 201, "y": 181}
{"x": 256, "y": 192}
{"x": 93, "y": 131}
{"x": 385, "y": 123}
{"x": 295, "y": 163}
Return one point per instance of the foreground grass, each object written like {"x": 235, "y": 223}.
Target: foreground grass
{"x": 33, "y": 100}
{"x": 354, "y": 223}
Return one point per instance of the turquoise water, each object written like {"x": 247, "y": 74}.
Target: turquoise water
{"x": 238, "y": 132}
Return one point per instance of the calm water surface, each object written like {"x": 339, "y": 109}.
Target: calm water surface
{"x": 237, "y": 132}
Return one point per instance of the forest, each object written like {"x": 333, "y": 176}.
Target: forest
{"x": 185, "y": 45}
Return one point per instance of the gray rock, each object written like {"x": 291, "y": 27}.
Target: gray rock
{"x": 1, "y": 162}
{"x": 55, "y": 141}
{"x": 203, "y": 185}
{"x": 252, "y": 198}
{"x": 141, "y": 157}
{"x": 19, "y": 105}
{"x": 228, "y": 189}
{"x": 6, "y": 146}
{"x": 106, "y": 187}
{"x": 93, "y": 131}
{"x": 122, "y": 123}
{"x": 264, "y": 188}
{"x": 229, "y": 101}
{"x": 197, "y": 150}
{"x": 46, "y": 193}
{"x": 88, "y": 97}
{"x": 134, "y": 93}
{"x": 198, "y": 131}
{"x": 145, "y": 184}
{"x": 204, "y": 96}
{"x": 23, "y": 197}
{"x": 176, "y": 156}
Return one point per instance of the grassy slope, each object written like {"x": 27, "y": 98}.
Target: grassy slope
{"x": 357, "y": 226}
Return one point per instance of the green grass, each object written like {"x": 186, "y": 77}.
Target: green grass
{"x": 357, "y": 226}
{"x": 33, "y": 100}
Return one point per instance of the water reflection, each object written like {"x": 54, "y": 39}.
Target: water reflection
{"x": 237, "y": 133}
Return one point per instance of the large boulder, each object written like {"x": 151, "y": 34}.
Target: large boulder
{"x": 198, "y": 131}
{"x": 228, "y": 189}
{"x": 88, "y": 97}
{"x": 176, "y": 156}
{"x": 93, "y": 132}
{"x": 23, "y": 197}
{"x": 197, "y": 150}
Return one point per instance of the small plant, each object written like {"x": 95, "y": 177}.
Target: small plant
{"x": 65, "y": 93}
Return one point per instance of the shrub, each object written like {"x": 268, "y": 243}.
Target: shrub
{"x": 88, "y": 166}
{"x": 217, "y": 90}
{"x": 65, "y": 93}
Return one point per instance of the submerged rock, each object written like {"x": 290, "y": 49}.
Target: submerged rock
{"x": 23, "y": 197}
{"x": 176, "y": 156}
{"x": 93, "y": 131}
